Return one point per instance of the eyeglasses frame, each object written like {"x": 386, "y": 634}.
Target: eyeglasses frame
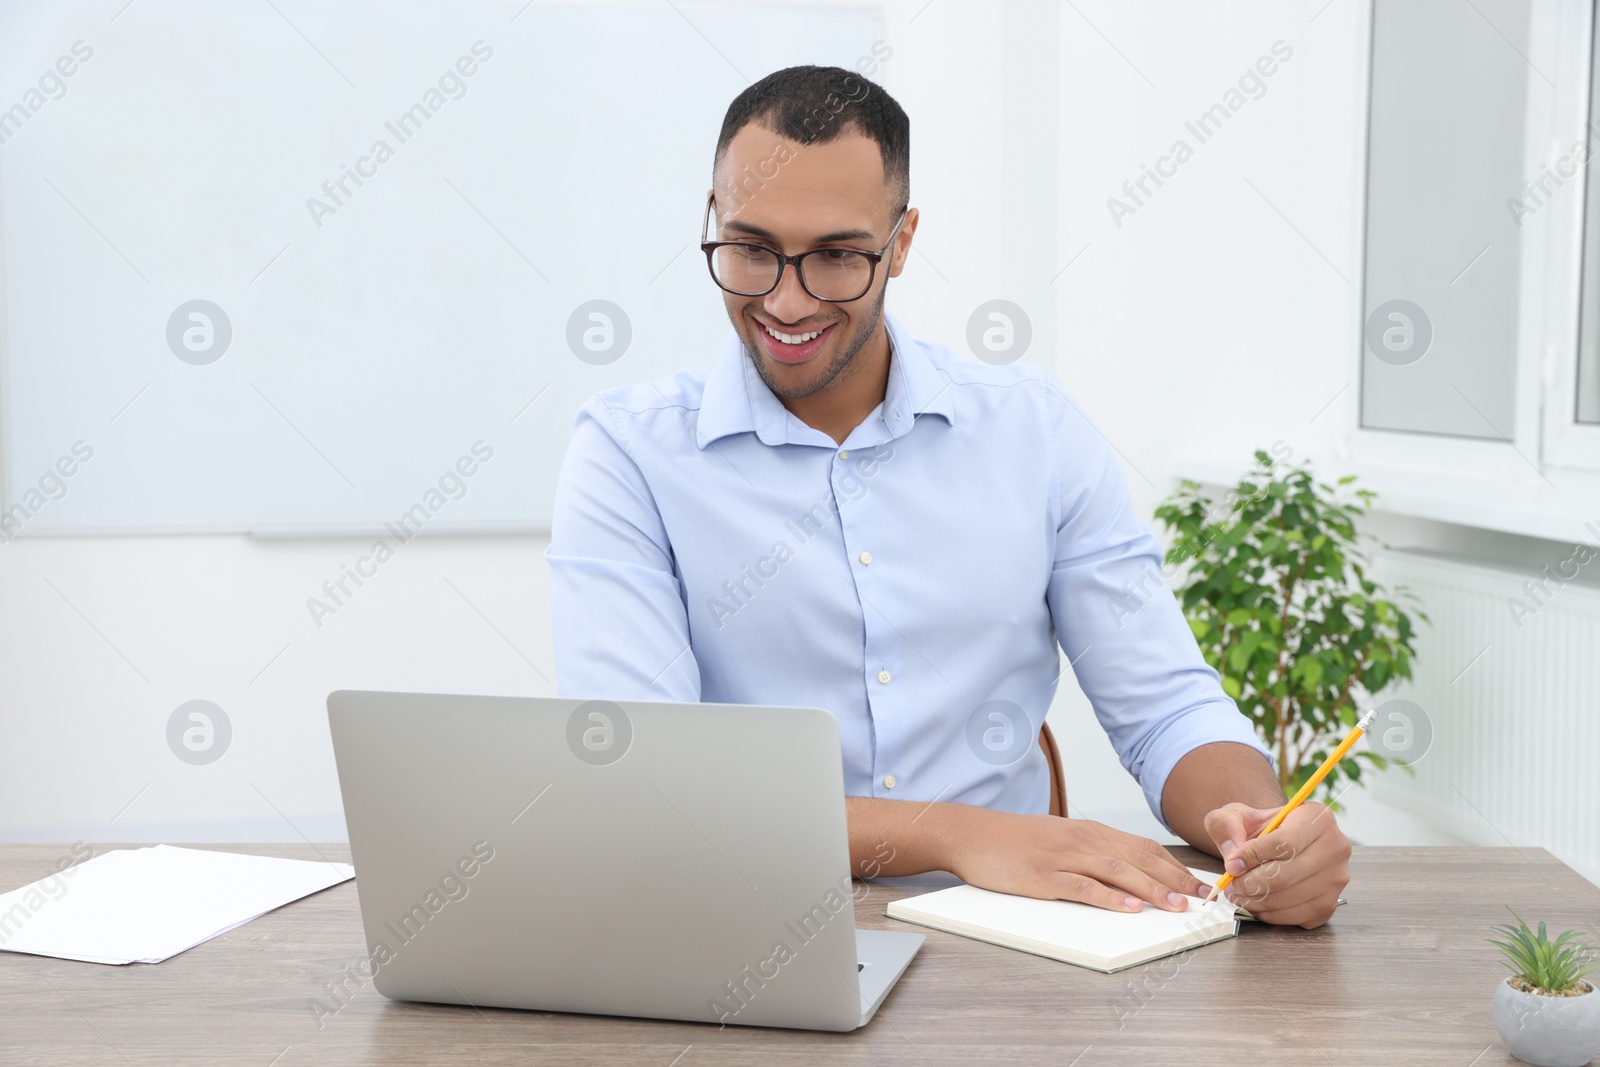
{"x": 873, "y": 258}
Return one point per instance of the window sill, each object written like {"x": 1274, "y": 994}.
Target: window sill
{"x": 1555, "y": 510}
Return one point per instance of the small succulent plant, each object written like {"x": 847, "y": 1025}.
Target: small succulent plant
{"x": 1550, "y": 967}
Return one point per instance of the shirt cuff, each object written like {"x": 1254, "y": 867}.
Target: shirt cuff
{"x": 1202, "y": 725}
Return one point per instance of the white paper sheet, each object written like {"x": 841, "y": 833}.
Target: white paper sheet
{"x": 145, "y": 905}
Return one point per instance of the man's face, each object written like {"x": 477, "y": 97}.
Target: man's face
{"x": 794, "y": 198}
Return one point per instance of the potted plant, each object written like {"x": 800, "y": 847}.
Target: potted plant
{"x": 1545, "y": 1012}
{"x": 1277, "y": 594}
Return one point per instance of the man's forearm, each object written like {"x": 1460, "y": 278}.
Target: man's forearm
{"x": 1028, "y": 855}
{"x": 1211, "y": 776}
{"x": 895, "y": 837}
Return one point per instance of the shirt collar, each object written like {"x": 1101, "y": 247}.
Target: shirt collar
{"x": 736, "y": 400}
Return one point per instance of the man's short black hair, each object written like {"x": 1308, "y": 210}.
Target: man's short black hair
{"x": 814, "y": 105}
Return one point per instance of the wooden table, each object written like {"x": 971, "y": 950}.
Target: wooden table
{"x": 1401, "y": 976}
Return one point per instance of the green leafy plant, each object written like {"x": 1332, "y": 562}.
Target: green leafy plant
{"x": 1277, "y": 594}
{"x": 1548, "y": 966}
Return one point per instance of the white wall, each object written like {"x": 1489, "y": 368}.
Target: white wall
{"x": 1207, "y": 318}
{"x": 1223, "y": 315}
{"x": 102, "y": 638}
{"x": 1204, "y": 322}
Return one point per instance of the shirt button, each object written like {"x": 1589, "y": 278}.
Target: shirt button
{"x": 888, "y": 781}
{"x": 844, "y": 453}
{"x": 883, "y": 676}
{"x": 865, "y": 558}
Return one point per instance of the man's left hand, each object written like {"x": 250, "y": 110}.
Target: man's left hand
{"x": 1292, "y": 876}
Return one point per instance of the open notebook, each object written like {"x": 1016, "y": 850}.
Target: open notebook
{"x": 1073, "y": 933}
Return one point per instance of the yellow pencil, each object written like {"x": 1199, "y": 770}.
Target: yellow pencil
{"x": 1305, "y": 791}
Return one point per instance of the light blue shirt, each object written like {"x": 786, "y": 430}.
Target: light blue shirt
{"x": 914, "y": 581}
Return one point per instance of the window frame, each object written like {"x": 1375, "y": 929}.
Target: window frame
{"x": 1550, "y": 460}
{"x": 1569, "y": 443}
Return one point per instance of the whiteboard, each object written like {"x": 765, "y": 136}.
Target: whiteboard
{"x": 301, "y": 267}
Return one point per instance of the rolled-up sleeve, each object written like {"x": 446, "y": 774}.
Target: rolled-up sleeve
{"x": 1118, "y": 622}
{"x": 620, "y": 626}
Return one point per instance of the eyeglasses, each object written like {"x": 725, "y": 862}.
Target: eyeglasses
{"x": 835, "y": 275}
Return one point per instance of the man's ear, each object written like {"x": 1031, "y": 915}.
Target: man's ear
{"x": 902, "y": 244}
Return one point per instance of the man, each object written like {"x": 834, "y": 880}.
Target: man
{"x": 838, "y": 515}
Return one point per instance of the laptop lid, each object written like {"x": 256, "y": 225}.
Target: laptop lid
{"x": 674, "y": 861}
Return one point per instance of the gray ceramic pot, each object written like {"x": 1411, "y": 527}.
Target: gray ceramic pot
{"x": 1548, "y": 1031}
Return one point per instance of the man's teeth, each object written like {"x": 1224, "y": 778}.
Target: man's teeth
{"x": 792, "y": 338}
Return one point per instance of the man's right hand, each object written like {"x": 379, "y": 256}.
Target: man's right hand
{"x": 1069, "y": 859}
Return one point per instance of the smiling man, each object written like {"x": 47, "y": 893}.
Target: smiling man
{"x": 839, "y": 515}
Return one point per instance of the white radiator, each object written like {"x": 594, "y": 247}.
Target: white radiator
{"x": 1509, "y": 675}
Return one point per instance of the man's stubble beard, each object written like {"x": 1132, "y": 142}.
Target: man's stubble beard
{"x": 840, "y": 363}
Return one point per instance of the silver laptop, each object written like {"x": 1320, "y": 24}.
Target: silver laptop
{"x": 667, "y": 861}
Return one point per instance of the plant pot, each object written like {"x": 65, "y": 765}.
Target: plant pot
{"x": 1548, "y": 1031}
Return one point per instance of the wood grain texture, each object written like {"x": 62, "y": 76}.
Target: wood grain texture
{"x": 1401, "y": 976}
